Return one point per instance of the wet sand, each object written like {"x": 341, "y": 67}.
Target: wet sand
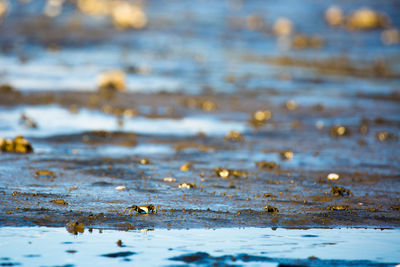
{"x": 193, "y": 75}
{"x": 89, "y": 166}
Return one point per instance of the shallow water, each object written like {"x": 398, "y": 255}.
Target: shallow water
{"x": 200, "y": 50}
{"x": 41, "y": 246}
{"x": 54, "y": 120}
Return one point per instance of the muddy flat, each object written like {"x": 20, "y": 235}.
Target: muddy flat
{"x": 218, "y": 125}
{"x": 91, "y": 153}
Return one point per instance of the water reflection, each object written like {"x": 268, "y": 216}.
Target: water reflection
{"x": 54, "y": 120}
{"x": 313, "y": 247}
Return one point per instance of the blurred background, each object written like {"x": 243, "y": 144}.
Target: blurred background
{"x": 201, "y": 45}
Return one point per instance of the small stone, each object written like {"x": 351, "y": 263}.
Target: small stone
{"x": 144, "y": 161}
{"x": 237, "y": 173}
{"x": 300, "y": 42}
{"x": 266, "y": 195}
{"x": 113, "y": 80}
{"x": 339, "y": 207}
{"x": 260, "y": 118}
{"x": 187, "y": 185}
{"x": 226, "y": 173}
{"x": 267, "y": 165}
{"x": 72, "y": 188}
{"x": 319, "y": 125}
{"x": 386, "y": 136}
{"x": 223, "y": 173}
{"x": 75, "y": 227}
{"x": 59, "y": 202}
{"x": 286, "y": 155}
{"x": 21, "y": 145}
{"x": 45, "y": 174}
{"x": 169, "y": 179}
{"x": 18, "y": 145}
{"x": 262, "y": 115}
{"x": 283, "y": 26}
{"x": 366, "y": 19}
{"x": 208, "y": 105}
{"x": 291, "y": 104}
{"x": 143, "y": 209}
{"x": 340, "y": 191}
{"x": 334, "y": 16}
{"x": 186, "y": 167}
{"x": 3, "y": 7}
{"x": 333, "y": 176}
{"x": 234, "y": 136}
{"x": 126, "y": 15}
{"x": 130, "y": 113}
{"x": 339, "y": 131}
{"x": 269, "y": 208}
{"x": 120, "y": 188}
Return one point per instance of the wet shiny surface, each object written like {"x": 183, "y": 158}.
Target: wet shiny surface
{"x": 53, "y": 120}
{"x": 314, "y": 247}
{"x": 188, "y": 46}
{"x": 314, "y": 109}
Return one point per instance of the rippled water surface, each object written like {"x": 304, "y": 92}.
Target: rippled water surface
{"x": 197, "y": 71}
{"x": 248, "y": 246}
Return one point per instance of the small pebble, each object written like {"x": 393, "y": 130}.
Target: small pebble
{"x": 169, "y": 179}
{"x": 120, "y": 187}
{"x": 333, "y": 176}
